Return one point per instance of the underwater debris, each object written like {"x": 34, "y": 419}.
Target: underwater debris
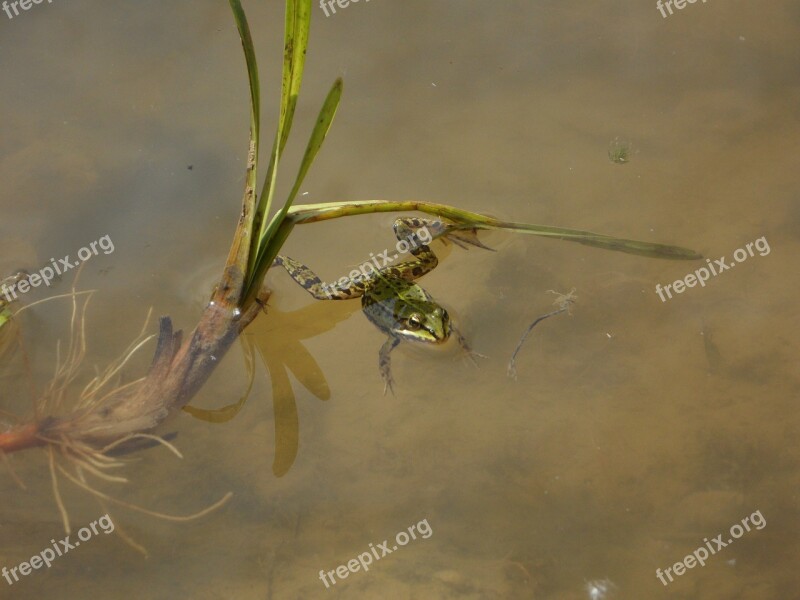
{"x": 564, "y": 303}
{"x": 619, "y": 151}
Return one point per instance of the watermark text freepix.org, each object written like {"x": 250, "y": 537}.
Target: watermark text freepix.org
{"x": 719, "y": 265}
{"x": 364, "y": 559}
{"x": 679, "y": 5}
{"x": 700, "y": 555}
{"x": 328, "y": 7}
{"x": 23, "y": 4}
{"x": 60, "y": 548}
{"x": 47, "y": 274}
{"x": 419, "y": 238}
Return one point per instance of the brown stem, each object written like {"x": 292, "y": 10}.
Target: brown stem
{"x": 21, "y": 438}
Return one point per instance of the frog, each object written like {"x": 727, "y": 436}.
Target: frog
{"x": 390, "y": 298}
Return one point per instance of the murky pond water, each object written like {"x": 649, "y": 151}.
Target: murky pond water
{"x": 639, "y": 432}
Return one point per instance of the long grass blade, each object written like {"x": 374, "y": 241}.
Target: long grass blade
{"x": 321, "y": 127}
{"x": 240, "y": 252}
{"x": 298, "y": 18}
{"x": 312, "y": 213}
{"x": 299, "y": 23}
{"x": 252, "y": 68}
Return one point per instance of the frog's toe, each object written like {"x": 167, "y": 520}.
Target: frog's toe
{"x": 470, "y": 355}
{"x": 473, "y": 356}
{"x": 388, "y": 383}
{"x": 463, "y": 238}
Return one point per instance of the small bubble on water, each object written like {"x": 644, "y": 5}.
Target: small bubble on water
{"x": 600, "y": 589}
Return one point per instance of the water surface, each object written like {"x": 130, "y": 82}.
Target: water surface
{"x": 636, "y": 427}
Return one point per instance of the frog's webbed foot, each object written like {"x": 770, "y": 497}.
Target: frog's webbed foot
{"x": 466, "y": 347}
{"x": 407, "y": 228}
{"x": 463, "y": 238}
{"x": 385, "y": 363}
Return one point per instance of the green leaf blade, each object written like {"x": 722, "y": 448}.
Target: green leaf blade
{"x": 318, "y": 134}
{"x": 252, "y": 69}
{"x": 296, "y": 30}
{"x": 332, "y": 210}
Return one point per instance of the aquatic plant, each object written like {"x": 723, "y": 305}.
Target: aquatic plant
{"x": 83, "y": 435}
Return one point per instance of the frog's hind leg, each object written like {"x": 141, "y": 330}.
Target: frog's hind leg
{"x": 385, "y": 363}
{"x": 315, "y": 286}
{"x": 408, "y": 229}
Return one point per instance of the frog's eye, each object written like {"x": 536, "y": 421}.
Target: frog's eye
{"x": 415, "y": 321}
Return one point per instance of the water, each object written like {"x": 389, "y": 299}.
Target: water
{"x": 636, "y": 427}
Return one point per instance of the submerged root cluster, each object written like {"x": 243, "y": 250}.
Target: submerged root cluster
{"x": 85, "y": 439}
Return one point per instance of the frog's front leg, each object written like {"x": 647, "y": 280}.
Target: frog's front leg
{"x": 309, "y": 281}
{"x": 385, "y": 362}
{"x": 465, "y": 345}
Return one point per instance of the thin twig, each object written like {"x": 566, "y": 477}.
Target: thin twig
{"x": 565, "y": 302}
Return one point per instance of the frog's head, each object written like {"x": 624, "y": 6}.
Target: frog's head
{"x": 423, "y": 322}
